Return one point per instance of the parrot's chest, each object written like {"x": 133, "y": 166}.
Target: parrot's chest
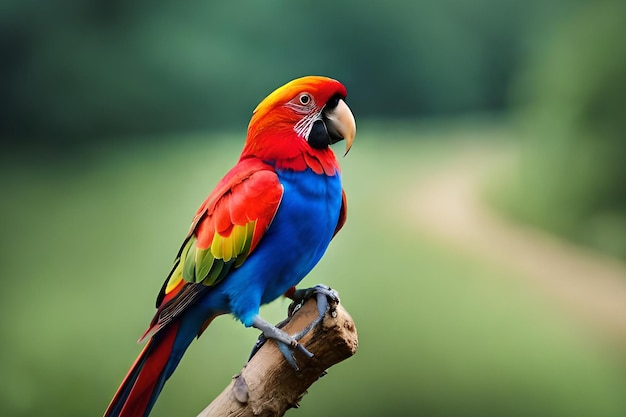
{"x": 310, "y": 206}
{"x": 302, "y": 229}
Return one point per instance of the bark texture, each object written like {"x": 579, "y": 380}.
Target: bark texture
{"x": 268, "y": 385}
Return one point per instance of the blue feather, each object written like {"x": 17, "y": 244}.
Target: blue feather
{"x": 293, "y": 244}
{"x": 295, "y": 241}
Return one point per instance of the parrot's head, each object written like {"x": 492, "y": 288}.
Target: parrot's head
{"x": 305, "y": 115}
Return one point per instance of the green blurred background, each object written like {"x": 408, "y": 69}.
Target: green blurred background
{"x": 118, "y": 118}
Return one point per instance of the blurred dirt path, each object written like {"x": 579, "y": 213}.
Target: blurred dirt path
{"x": 447, "y": 205}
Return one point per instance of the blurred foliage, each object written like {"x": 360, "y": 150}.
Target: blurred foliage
{"x": 86, "y": 247}
{"x": 73, "y": 71}
{"x": 572, "y": 101}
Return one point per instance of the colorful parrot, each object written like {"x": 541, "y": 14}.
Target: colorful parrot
{"x": 262, "y": 229}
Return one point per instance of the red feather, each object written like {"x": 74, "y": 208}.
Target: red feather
{"x": 248, "y": 195}
{"x": 343, "y": 213}
{"x": 145, "y": 373}
{"x": 271, "y": 134}
{"x": 249, "y": 192}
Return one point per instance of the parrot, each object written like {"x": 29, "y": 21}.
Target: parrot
{"x": 261, "y": 230}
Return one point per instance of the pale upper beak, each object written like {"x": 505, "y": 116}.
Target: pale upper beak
{"x": 341, "y": 124}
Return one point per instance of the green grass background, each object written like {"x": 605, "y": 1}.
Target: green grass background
{"x": 87, "y": 242}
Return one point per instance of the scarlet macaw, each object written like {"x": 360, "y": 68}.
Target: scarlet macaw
{"x": 262, "y": 229}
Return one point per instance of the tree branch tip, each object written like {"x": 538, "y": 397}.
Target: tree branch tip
{"x": 267, "y": 385}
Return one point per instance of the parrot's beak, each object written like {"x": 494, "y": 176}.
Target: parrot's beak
{"x": 341, "y": 125}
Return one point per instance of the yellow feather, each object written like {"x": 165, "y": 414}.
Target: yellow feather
{"x": 174, "y": 280}
{"x": 216, "y": 246}
{"x": 227, "y": 248}
{"x": 239, "y": 238}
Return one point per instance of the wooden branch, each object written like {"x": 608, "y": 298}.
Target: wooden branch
{"x": 268, "y": 385}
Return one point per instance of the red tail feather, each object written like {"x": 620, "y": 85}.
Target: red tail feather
{"x": 145, "y": 379}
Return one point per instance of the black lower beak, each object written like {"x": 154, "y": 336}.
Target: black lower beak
{"x": 321, "y": 137}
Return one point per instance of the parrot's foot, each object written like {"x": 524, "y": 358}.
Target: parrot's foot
{"x": 286, "y": 344}
{"x": 327, "y": 300}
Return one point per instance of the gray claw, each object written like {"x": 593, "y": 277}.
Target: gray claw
{"x": 302, "y": 295}
{"x": 286, "y": 344}
{"x": 288, "y": 353}
{"x": 327, "y": 299}
{"x": 257, "y": 346}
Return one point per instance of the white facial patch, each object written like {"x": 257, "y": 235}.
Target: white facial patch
{"x": 304, "y": 126}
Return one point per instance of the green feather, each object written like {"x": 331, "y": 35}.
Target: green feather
{"x": 204, "y": 262}
{"x": 214, "y": 273}
{"x": 187, "y": 259}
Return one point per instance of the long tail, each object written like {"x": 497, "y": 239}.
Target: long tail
{"x": 156, "y": 363}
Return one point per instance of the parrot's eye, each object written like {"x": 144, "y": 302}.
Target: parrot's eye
{"x": 305, "y": 99}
